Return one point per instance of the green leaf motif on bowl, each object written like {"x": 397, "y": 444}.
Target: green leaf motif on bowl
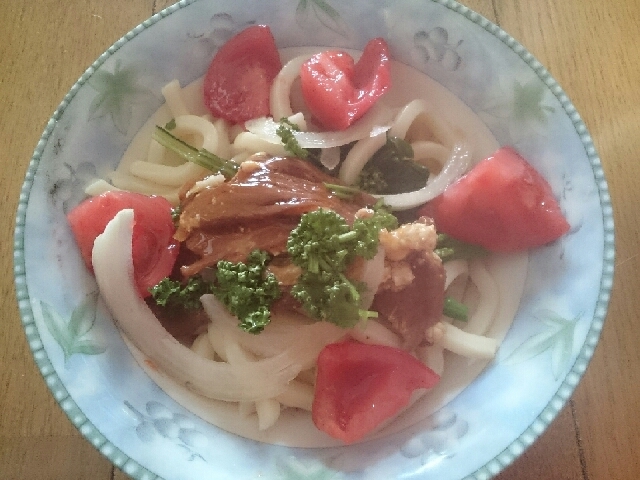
{"x": 117, "y": 93}
{"x": 527, "y": 102}
{"x": 159, "y": 422}
{"x": 292, "y": 468}
{"x": 327, "y": 15}
{"x": 435, "y": 46}
{"x": 74, "y": 335}
{"x": 557, "y": 337}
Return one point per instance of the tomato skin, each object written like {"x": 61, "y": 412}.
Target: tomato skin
{"x": 359, "y": 386}
{"x": 338, "y": 91}
{"x": 237, "y": 84}
{"x": 154, "y": 250}
{"x": 502, "y": 204}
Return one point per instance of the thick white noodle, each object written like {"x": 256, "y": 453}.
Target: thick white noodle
{"x": 224, "y": 144}
{"x": 268, "y": 411}
{"x": 480, "y": 321}
{"x": 249, "y": 141}
{"x": 131, "y": 183}
{"x": 113, "y": 268}
{"x": 424, "y": 150}
{"x": 167, "y": 175}
{"x": 297, "y": 394}
{"x": 156, "y": 152}
{"x": 202, "y": 128}
{"x": 467, "y": 344}
{"x": 172, "y": 93}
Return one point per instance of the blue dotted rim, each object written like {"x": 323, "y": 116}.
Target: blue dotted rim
{"x": 491, "y": 468}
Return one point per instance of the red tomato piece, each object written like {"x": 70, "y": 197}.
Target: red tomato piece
{"x": 359, "y": 386}
{"x": 154, "y": 249}
{"x": 338, "y": 91}
{"x": 237, "y": 84}
{"x": 502, "y": 204}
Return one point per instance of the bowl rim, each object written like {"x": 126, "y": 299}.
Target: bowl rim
{"x": 493, "y": 466}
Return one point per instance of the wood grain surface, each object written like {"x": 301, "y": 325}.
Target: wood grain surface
{"x": 590, "y": 46}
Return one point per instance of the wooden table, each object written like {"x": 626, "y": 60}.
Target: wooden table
{"x": 590, "y": 46}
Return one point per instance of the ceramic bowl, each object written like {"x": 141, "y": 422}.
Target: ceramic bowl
{"x": 147, "y": 434}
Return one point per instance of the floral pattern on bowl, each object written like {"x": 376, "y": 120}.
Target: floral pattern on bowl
{"x": 148, "y": 435}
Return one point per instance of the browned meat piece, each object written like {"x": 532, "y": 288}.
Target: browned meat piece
{"x": 411, "y": 297}
{"x": 257, "y": 209}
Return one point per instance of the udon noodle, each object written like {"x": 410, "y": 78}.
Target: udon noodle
{"x": 242, "y": 394}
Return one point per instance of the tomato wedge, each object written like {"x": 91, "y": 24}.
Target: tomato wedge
{"x": 154, "y": 249}
{"x": 502, "y": 204}
{"x": 237, "y": 84}
{"x": 338, "y": 91}
{"x": 359, "y": 386}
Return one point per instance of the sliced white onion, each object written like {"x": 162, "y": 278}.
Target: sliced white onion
{"x": 303, "y": 340}
{"x": 358, "y": 157}
{"x": 375, "y": 122}
{"x": 202, "y": 346}
{"x": 467, "y": 344}
{"x": 439, "y": 128}
{"x": 458, "y": 163}
{"x": 280, "y": 95}
{"x": 113, "y": 268}
{"x": 374, "y": 333}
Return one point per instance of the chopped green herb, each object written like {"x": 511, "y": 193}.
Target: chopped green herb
{"x": 285, "y": 132}
{"x": 172, "y": 293}
{"x": 247, "y": 290}
{"x": 454, "y": 309}
{"x": 175, "y": 214}
{"x": 324, "y": 245}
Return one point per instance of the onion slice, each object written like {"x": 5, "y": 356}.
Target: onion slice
{"x": 308, "y": 337}
{"x": 457, "y": 165}
{"x": 113, "y": 267}
{"x": 376, "y": 121}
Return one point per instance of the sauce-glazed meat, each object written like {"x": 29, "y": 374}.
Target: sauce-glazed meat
{"x": 411, "y": 297}
{"x": 257, "y": 209}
